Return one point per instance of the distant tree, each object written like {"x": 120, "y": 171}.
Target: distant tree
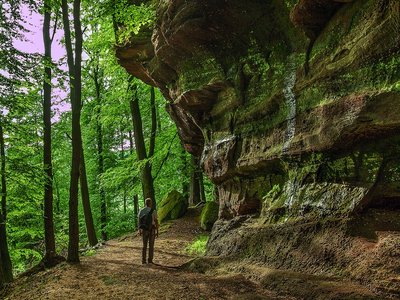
{"x": 197, "y": 194}
{"x": 97, "y": 79}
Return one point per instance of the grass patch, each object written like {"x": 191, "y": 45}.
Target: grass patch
{"x": 89, "y": 252}
{"x": 198, "y": 246}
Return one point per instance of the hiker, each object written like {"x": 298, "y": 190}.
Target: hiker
{"x": 148, "y": 229}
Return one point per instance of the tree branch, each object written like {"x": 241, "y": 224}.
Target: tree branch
{"x": 166, "y": 156}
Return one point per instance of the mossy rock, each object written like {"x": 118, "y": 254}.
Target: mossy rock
{"x": 209, "y": 215}
{"x": 172, "y": 206}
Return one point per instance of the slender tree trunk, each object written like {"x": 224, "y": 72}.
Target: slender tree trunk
{"x": 5, "y": 260}
{"x": 2, "y": 280}
{"x": 74, "y": 67}
{"x": 136, "y": 209}
{"x": 3, "y": 175}
{"x": 121, "y": 142}
{"x": 50, "y": 245}
{"x": 146, "y": 178}
{"x": 130, "y": 142}
{"x": 87, "y": 211}
{"x": 100, "y": 160}
{"x": 195, "y": 184}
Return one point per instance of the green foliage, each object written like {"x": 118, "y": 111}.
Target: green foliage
{"x": 198, "y": 247}
{"x": 133, "y": 18}
{"x": 24, "y": 258}
{"x": 273, "y": 193}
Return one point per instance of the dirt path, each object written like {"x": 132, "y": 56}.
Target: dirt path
{"x": 116, "y": 272}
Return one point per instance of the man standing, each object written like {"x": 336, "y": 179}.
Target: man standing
{"x": 148, "y": 229}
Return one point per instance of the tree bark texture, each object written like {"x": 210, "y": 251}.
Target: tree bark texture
{"x": 87, "y": 211}
{"x": 136, "y": 209}
{"x": 50, "y": 245}
{"x": 74, "y": 67}
{"x": 196, "y": 182}
{"x": 5, "y": 260}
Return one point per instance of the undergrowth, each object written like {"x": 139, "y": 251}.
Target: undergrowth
{"x": 198, "y": 246}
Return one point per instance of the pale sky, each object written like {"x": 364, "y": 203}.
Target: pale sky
{"x": 34, "y": 44}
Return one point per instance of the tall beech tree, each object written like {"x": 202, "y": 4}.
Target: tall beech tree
{"x": 74, "y": 60}
{"x": 50, "y": 257}
{"x": 97, "y": 79}
{"x": 140, "y": 146}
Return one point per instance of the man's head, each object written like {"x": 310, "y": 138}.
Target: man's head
{"x": 148, "y": 202}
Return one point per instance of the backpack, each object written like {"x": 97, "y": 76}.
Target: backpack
{"x": 146, "y": 220}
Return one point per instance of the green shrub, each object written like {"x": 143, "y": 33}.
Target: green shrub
{"x": 198, "y": 247}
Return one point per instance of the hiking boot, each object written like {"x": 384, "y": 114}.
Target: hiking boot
{"x": 150, "y": 261}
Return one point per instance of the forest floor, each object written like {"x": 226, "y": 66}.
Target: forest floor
{"x": 116, "y": 272}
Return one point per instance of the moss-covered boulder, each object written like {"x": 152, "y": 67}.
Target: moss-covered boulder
{"x": 172, "y": 206}
{"x": 209, "y": 215}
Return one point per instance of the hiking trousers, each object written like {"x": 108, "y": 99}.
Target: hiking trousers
{"x": 149, "y": 237}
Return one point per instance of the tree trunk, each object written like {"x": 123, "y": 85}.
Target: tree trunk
{"x": 146, "y": 178}
{"x": 3, "y": 175}
{"x": 87, "y": 211}
{"x": 74, "y": 67}
{"x": 100, "y": 160}
{"x": 5, "y": 260}
{"x": 136, "y": 209}
{"x": 195, "y": 190}
{"x": 130, "y": 142}
{"x": 50, "y": 245}
{"x": 2, "y": 281}
{"x": 121, "y": 142}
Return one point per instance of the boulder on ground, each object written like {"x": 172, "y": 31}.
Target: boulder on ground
{"x": 209, "y": 215}
{"x": 172, "y": 206}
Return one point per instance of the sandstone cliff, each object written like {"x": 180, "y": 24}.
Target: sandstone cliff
{"x": 294, "y": 108}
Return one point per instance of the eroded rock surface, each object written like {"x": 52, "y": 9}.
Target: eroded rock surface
{"x": 278, "y": 141}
